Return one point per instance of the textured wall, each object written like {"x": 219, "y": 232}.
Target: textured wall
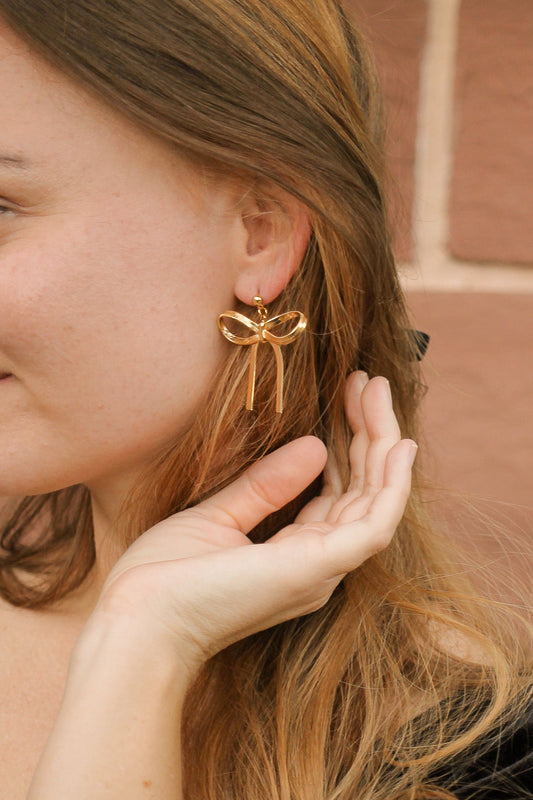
{"x": 472, "y": 249}
{"x": 397, "y": 32}
{"x": 492, "y": 187}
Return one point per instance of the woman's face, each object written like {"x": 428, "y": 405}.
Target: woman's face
{"x": 114, "y": 264}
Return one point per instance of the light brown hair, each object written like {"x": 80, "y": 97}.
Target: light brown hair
{"x": 326, "y": 705}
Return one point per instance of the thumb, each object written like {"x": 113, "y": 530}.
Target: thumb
{"x": 267, "y": 485}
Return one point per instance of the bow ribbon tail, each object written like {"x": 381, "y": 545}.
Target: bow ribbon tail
{"x": 279, "y": 377}
{"x": 252, "y": 369}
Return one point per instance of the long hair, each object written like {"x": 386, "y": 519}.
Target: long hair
{"x": 371, "y": 695}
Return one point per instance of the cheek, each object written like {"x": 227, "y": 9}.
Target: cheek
{"x": 90, "y": 293}
{"x": 114, "y": 345}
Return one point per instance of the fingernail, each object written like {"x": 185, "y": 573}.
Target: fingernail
{"x": 412, "y": 453}
{"x": 388, "y": 387}
{"x": 362, "y": 379}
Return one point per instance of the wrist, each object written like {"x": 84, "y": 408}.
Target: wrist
{"x": 131, "y": 649}
{"x": 119, "y": 725}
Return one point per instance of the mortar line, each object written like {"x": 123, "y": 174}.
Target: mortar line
{"x": 434, "y": 145}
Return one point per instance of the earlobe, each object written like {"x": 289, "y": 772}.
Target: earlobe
{"x": 276, "y": 230}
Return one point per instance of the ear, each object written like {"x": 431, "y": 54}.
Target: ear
{"x": 275, "y": 230}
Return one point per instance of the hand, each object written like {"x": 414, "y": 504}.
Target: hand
{"x": 197, "y": 580}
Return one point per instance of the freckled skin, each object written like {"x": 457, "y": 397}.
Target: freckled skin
{"x": 114, "y": 264}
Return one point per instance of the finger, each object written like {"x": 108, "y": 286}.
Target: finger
{"x": 320, "y": 507}
{"x": 383, "y": 431}
{"x": 355, "y": 383}
{"x": 316, "y": 510}
{"x": 267, "y": 485}
{"x": 354, "y": 412}
{"x": 332, "y": 486}
{"x": 367, "y": 400}
{"x": 355, "y": 539}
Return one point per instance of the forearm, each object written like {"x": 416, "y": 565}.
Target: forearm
{"x": 117, "y": 734}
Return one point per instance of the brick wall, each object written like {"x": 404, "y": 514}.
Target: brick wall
{"x": 458, "y": 82}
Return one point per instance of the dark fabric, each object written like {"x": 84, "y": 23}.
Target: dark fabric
{"x": 504, "y": 771}
{"x": 421, "y": 342}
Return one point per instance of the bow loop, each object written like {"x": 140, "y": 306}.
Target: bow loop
{"x": 281, "y": 320}
{"x": 248, "y": 323}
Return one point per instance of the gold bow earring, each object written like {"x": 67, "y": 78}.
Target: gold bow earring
{"x": 262, "y": 333}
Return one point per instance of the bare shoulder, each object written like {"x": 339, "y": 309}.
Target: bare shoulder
{"x": 35, "y": 649}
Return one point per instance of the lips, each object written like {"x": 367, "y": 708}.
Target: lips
{"x": 5, "y": 375}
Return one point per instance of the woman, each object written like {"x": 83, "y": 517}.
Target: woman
{"x": 212, "y": 597}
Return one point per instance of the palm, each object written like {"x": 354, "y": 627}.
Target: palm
{"x": 199, "y": 574}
